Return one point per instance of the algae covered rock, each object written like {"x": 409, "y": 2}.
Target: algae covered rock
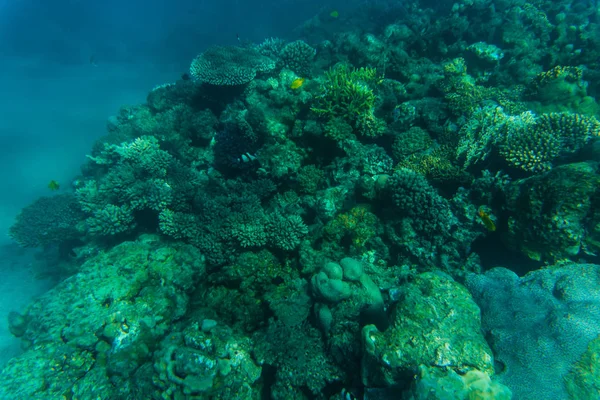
{"x": 96, "y": 329}
{"x": 436, "y": 323}
{"x": 445, "y": 384}
{"x": 207, "y": 361}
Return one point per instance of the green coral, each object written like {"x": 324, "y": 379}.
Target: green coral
{"x": 465, "y": 95}
{"x": 141, "y": 176}
{"x": 358, "y": 225}
{"x": 207, "y": 360}
{"x": 349, "y": 93}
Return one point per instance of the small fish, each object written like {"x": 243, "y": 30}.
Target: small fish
{"x": 334, "y": 14}
{"x": 53, "y": 185}
{"x": 237, "y": 35}
{"x": 93, "y": 61}
{"x": 487, "y": 220}
{"x": 297, "y": 83}
{"x": 246, "y": 157}
{"x": 347, "y": 395}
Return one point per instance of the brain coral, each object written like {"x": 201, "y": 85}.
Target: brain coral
{"x": 229, "y": 66}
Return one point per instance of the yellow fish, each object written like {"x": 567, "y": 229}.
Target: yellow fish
{"x": 487, "y": 220}
{"x": 334, "y": 14}
{"x": 53, "y": 185}
{"x": 297, "y": 83}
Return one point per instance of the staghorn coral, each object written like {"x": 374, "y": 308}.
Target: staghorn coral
{"x": 532, "y": 144}
{"x": 229, "y": 66}
{"x": 525, "y": 141}
{"x": 561, "y": 79}
{"x": 348, "y": 93}
{"x": 561, "y": 88}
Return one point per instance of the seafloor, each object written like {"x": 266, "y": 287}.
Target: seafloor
{"x": 401, "y": 202}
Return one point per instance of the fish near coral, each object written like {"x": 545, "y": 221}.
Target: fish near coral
{"x": 297, "y": 83}
{"x": 53, "y": 185}
{"x": 487, "y": 220}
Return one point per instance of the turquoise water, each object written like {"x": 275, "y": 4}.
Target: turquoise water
{"x": 358, "y": 200}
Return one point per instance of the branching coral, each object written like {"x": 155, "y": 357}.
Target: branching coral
{"x": 527, "y": 147}
{"x": 346, "y": 92}
{"x": 349, "y": 94}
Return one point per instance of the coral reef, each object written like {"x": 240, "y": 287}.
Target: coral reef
{"x": 295, "y": 219}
